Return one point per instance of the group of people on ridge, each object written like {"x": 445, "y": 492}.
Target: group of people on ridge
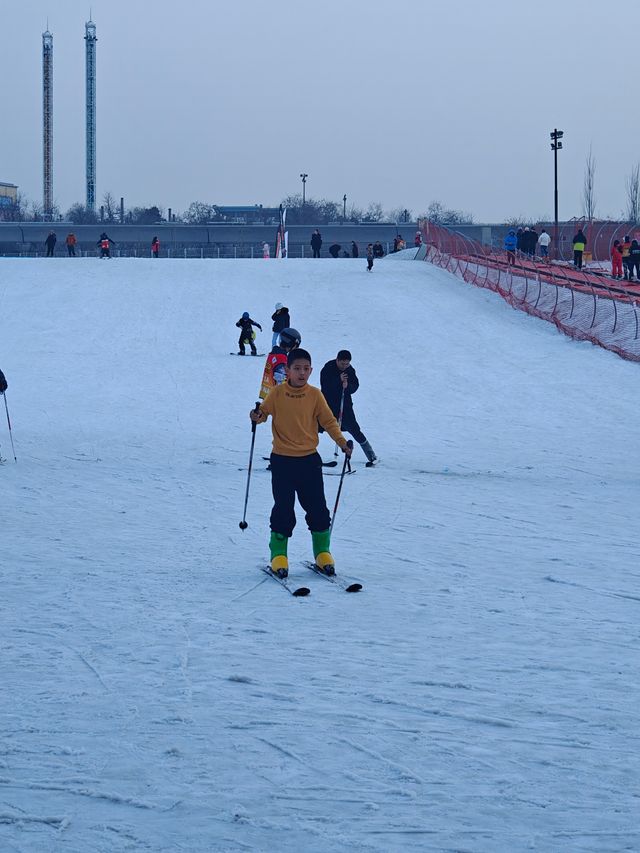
{"x": 625, "y": 259}
{"x": 299, "y": 412}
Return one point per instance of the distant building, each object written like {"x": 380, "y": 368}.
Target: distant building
{"x": 8, "y": 195}
{"x": 248, "y": 214}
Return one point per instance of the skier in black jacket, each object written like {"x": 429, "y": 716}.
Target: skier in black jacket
{"x": 50, "y": 243}
{"x": 338, "y": 381}
{"x": 3, "y": 383}
{"x": 246, "y": 333}
{"x": 281, "y": 320}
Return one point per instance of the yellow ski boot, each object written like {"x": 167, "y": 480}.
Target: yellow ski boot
{"x": 278, "y": 548}
{"x": 323, "y": 559}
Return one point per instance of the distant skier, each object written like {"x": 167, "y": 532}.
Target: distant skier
{"x": 339, "y": 382}
{"x": 71, "y": 241}
{"x": 275, "y": 367}
{"x": 369, "y": 257}
{"x": 245, "y": 324}
{"x": 355, "y": 253}
{"x": 417, "y": 240}
{"x": 316, "y": 243}
{"x": 626, "y": 247}
{"x": 296, "y": 409}
{"x": 3, "y": 383}
{"x": 105, "y": 242}
{"x": 50, "y": 243}
{"x": 155, "y": 247}
{"x": 334, "y": 250}
{"x": 281, "y": 320}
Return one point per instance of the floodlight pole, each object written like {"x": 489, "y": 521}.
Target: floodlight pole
{"x": 344, "y": 207}
{"x": 556, "y": 135}
{"x": 304, "y": 177}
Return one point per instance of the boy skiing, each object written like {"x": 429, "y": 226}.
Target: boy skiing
{"x": 338, "y": 382}
{"x": 247, "y": 334}
{"x": 296, "y": 409}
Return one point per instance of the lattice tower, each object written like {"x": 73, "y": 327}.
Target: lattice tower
{"x": 90, "y": 52}
{"x": 47, "y": 122}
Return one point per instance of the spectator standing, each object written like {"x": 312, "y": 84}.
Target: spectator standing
{"x": 155, "y": 247}
{"x": 510, "y": 245}
{"x": 519, "y": 234}
{"x": 50, "y": 243}
{"x": 533, "y": 242}
{"x": 634, "y": 260}
{"x": 543, "y": 241}
{"x": 626, "y": 246}
{"x": 579, "y": 243}
{"x": 71, "y": 241}
{"x": 265, "y": 251}
{"x": 355, "y": 253}
{"x": 316, "y": 243}
{"x": 417, "y": 240}
{"x": 616, "y": 259}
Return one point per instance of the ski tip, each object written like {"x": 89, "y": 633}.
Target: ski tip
{"x": 354, "y": 587}
{"x": 302, "y": 590}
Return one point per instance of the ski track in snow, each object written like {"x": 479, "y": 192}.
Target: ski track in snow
{"x": 480, "y": 694}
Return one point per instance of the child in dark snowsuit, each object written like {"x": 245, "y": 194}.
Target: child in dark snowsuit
{"x": 246, "y": 333}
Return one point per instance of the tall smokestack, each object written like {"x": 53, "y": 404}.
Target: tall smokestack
{"x": 90, "y": 52}
{"x": 47, "y": 123}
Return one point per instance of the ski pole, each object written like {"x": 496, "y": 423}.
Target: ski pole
{"x": 243, "y": 524}
{"x": 335, "y": 452}
{"x": 9, "y": 425}
{"x": 344, "y": 469}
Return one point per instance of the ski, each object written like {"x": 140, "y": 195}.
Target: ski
{"x": 255, "y": 355}
{"x": 339, "y": 473}
{"x": 343, "y": 583}
{"x": 324, "y": 464}
{"x": 284, "y": 583}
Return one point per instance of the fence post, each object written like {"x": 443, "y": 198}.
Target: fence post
{"x": 235, "y": 253}
{"x": 185, "y": 253}
{"x": 218, "y": 252}
{"x": 201, "y": 253}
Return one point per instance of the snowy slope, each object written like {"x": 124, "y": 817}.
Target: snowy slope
{"x": 159, "y": 694}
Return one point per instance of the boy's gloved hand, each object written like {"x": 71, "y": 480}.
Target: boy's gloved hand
{"x": 348, "y": 450}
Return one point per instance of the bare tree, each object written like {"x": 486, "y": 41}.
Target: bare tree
{"x": 588, "y": 190}
{"x": 110, "y": 207}
{"x": 633, "y": 195}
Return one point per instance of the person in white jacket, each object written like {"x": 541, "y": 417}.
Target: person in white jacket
{"x": 543, "y": 242}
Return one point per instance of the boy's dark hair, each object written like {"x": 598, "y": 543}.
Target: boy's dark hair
{"x": 298, "y": 355}
{"x": 343, "y": 355}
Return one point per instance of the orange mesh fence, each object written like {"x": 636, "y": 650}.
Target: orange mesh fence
{"x": 584, "y": 304}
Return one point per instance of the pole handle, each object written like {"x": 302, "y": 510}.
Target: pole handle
{"x": 257, "y": 409}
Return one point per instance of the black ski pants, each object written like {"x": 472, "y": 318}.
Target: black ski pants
{"x": 301, "y": 476}
{"x": 244, "y": 340}
{"x": 577, "y": 258}
{"x": 351, "y": 425}
{"x": 316, "y": 252}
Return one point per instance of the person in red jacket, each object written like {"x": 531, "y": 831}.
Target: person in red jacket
{"x": 71, "y": 244}
{"x": 155, "y": 247}
{"x": 616, "y": 259}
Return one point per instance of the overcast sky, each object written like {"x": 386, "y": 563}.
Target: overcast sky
{"x": 400, "y": 104}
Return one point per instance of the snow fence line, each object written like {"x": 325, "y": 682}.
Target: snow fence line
{"x": 583, "y": 304}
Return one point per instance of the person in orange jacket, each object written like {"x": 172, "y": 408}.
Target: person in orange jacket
{"x": 616, "y": 259}
{"x": 71, "y": 244}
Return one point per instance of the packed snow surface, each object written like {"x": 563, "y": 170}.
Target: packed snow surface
{"x": 158, "y": 693}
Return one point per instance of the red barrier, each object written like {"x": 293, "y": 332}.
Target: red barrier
{"x": 583, "y": 304}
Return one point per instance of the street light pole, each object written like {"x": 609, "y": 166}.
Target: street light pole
{"x": 344, "y": 208}
{"x": 304, "y": 177}
{"x": 556, "y": 135}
